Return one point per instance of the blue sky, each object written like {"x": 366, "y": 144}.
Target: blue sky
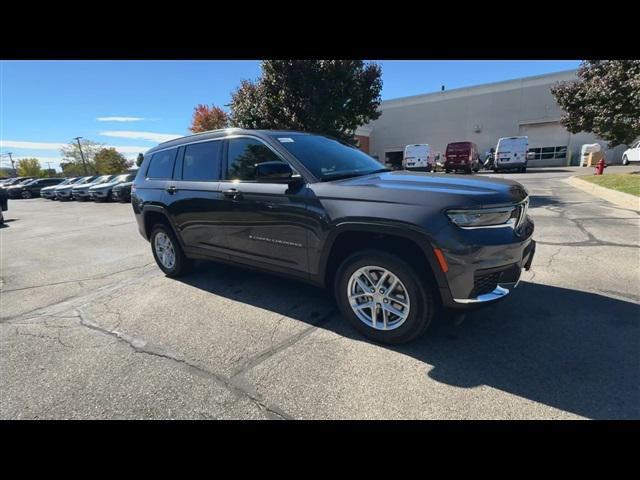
{"x": 133, "y": 105}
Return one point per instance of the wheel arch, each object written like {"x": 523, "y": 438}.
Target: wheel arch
{"x": 402, "y": 241}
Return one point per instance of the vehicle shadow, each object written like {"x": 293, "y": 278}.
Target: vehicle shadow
{"x": 575, "y": 351}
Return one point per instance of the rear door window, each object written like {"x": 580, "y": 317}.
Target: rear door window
{"x": 161, "y": 164}
{"x": 201, "y": 162}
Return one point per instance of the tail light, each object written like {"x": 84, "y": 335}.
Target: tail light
{"x": 133, "y": 188}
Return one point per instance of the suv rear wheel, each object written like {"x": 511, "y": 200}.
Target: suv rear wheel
{"x": 383, "y": 297}
{"x": 167, "y": 252}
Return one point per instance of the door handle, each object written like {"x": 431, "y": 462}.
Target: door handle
{"x": 232, "y": 193}
{"x": 171, "y": 189}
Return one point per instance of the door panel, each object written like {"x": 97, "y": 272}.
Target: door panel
{"x": 195, "y": 201}
{"x": 267, "y": 223}
{"x": 264, "y": 223}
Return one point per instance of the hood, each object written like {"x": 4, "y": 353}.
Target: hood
{"x": 103, "y": 185}
{"x": 416, "y": 188}
{"x": 124, "y": 185}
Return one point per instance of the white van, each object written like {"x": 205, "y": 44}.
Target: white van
{"x": 419, "y": 156}
{"x": 511, "y": 154}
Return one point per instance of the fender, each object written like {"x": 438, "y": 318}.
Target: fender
{"x": 407, "y": 231}
{"x": 146, "y": 209}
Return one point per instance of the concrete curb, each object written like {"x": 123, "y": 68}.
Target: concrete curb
{"x": 621, "y": 199}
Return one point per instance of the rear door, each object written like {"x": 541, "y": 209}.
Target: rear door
{"x": 264, "y": 223}
{"x": 194, "y": 199}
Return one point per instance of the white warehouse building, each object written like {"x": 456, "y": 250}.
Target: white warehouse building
{"x": 481, "y": 114}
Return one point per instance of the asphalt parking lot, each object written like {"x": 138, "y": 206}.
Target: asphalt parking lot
{"x": 91, "y": 328}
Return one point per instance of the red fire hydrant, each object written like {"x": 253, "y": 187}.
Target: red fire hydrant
{"x": 600, "y": 166}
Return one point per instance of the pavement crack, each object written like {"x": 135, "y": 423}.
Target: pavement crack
{"x": 141, "y": 346}
{"x": 96, "y": 277}
{"x": 288, "y": 342}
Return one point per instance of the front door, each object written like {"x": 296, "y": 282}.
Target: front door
{"x": 264, "y": 223}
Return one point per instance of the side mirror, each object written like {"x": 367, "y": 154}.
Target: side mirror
{"x": 274, "y": 172}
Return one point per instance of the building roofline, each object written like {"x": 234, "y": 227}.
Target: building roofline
{"x": 502, "y": 85}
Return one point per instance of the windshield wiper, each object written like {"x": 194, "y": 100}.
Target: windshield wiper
{"x": 340, "y": 175}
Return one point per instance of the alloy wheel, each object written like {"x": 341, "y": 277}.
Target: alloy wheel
{"x": 164, "y": 250}
{"x": 378, "y": 298}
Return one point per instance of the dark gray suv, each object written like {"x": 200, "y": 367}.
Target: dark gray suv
{"x": 395, "y": 246}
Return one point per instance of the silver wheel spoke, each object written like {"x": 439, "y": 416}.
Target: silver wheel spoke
{"x": 383, "y": 308}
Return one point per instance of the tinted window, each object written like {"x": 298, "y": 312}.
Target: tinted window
{"x": 244, "y": 155}
{"x": 161, "y": 165}
{"x": 202, "y": 161}
{"x": 327, "y": 158}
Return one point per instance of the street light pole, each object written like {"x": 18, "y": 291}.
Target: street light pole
{"x": 84, "y": 164}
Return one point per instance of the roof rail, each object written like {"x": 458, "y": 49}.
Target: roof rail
{"x": 201, "y": 133}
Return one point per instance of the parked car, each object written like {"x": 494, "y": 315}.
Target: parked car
{"x": 394, "y": 245}
{"x": 15, "y": 181}
{"x": 462, "y": 156}
{"x": 4, "y": 204}
{"x": 419, "y": 157}
{"x": 80, "y": 192}
{"x": 64, "y": 192}
{"x": 32, "y": 188}
{"x": 50, "y": 192}
{"x": 631, "y": 154}
{"x": 511, "y": 154}
{"x": 101, "y": 192}
{"x": 122, "y": 192}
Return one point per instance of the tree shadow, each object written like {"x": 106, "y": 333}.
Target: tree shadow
{"x": 575, "y": 351}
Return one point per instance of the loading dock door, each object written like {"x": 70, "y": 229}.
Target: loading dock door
{"x": 394, "y": 159}
{"x": 548, "y": 141}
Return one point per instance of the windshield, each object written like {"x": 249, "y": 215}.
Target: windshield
{"x": 123, "y": 178}
{"x": 103, "y": 179}
{"x": 326, "y": 158}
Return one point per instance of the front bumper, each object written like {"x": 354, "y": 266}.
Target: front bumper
{"x": 504, "y": 279}
{"x": 99, "y": 193}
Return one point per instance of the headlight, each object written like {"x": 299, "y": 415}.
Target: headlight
{"x": 490, "y": 217}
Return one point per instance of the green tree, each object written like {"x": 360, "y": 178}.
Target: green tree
{"x": 109, "y": 161}
{"x": 605, "y": 100}
{"x": 140, "y": 159}
{"x": 29, "y": 167}
{"x": 72, "y": 160}
{"x": 331, "y": 97}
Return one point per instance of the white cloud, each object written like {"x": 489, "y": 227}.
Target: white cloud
{"x": 31, "y": 145}
{"x": 121, "y": 119}
{"x": 150, "y": 136}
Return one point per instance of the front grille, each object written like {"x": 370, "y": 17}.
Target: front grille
{"x": 485, "y": 283}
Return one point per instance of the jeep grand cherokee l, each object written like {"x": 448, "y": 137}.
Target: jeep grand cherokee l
{"x": 394, "y": 246}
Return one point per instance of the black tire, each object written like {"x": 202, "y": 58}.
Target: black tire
{"x": 467, "y": 170}
{"x": 446, "y": 170}
{"x": 523, "y": 169}
{"x": 27, "y": 194}
{"x": 625, "y": 160}
{"x": 420, "y": 292}
{"x": 182, "y": 264}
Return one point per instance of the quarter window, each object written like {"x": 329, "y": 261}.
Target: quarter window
{"x": 161, "y": 165}
{"x": 201, "y": 161}
{"x": 244, "y": 155}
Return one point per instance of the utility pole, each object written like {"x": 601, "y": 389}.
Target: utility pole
{"x": 13, "y": 167}
{"x": 49, "y": 169}
{"x": 84, "y": 164}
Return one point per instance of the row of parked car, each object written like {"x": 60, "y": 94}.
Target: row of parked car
{"x": 99, "y": 188}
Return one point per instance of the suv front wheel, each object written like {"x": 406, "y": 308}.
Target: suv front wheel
{"x": 383, "y": 297}
{"x": 167, "y": 252}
